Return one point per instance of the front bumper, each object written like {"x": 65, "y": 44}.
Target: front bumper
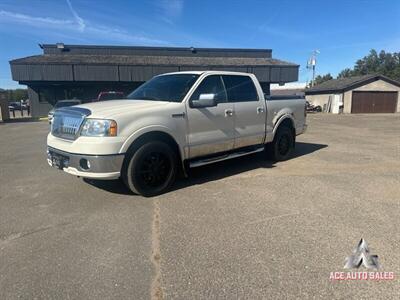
{"x": 87, "y": 166}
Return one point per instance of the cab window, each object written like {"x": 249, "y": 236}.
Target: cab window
{"x": 240, "y": 88}
{"x": 211, "y": 85}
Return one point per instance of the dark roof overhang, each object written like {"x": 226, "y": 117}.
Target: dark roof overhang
{"x": 125, "y": 63}
{"x": 47, "y": 59}
{"x": 142, "y": 68}
{"x": 334, "y": 86}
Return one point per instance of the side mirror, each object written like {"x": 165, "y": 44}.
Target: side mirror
{"x": 205, "y": 100}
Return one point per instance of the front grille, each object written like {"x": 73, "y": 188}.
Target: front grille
{"x": 67, "y": 123}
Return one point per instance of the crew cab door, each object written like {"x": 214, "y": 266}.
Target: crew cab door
{"x": 248, "y": 110}
{"x": 210, "y": 128}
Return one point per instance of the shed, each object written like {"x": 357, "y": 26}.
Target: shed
{"x": 360, "y": 94}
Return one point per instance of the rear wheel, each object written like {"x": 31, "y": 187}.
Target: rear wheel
{"x": 283, "y": 144}
{"x": 151, "y": 169}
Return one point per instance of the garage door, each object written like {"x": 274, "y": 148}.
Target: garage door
{"x": 374, "y": 102}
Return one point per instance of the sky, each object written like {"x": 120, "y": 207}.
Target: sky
{"x": 343, "y": 31}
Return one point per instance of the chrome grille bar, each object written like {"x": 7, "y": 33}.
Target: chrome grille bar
{"x": 67, "y": 122}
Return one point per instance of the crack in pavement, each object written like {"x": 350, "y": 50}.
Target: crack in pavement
{"x": 272, "y": 218}
{"x": 156, "y": 289}
{"x": 19, "y": 235}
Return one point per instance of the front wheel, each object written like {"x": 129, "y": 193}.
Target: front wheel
{"x": 151, "y": 169}
{"x": 282, "y": 146}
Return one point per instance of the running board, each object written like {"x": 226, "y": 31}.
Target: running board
{"x": 207, "y": 161}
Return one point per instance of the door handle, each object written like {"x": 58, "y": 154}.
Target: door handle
{"x": 228, "y": 112}
{"x": 260, "y": 110}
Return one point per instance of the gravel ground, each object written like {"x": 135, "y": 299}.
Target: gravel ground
{"x": 245, "y": 228}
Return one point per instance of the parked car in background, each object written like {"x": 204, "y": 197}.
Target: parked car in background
{"x": 17, "y": 105}
{"x": 62, "y": 103}
{"x": 171, "y": 123}
{"x": 110, "y": 95}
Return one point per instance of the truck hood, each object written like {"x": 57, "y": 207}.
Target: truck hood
{"x": 107, "y": 109}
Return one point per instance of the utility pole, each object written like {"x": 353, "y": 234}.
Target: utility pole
{"x": 311, "y": 63}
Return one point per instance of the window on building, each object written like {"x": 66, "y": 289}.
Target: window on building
{"x": 46, "y": 95}
{"x": 61, "y": 94}
{"x": 81, "y": 93}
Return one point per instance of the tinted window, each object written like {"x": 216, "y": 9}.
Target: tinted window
{"x": 171, "y": 88}
{"x": 240, "y": 88}
{"x": 211, "y": 85}
{"x": 46, "y": 95}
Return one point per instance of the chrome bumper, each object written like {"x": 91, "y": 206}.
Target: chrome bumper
{"x": 84, "y": 165}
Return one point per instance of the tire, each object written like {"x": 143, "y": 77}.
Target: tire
{"x": 151, "y": 169}
{"x": 282, "y": 146}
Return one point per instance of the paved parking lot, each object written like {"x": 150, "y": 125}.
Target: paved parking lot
{"x": 246, "y": 228}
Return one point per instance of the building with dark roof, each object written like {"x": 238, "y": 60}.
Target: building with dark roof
{"x": 82, "y": 72}
{"x": 359, "y": 94}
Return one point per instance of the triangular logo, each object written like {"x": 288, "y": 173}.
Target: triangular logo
{"x": 361, "y": 256}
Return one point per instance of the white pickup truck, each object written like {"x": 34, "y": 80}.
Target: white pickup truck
{"x": 173, "y": 122}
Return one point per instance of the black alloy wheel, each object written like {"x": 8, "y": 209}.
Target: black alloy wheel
{"x": 151, "y": 169}
{"x": 282, "y": 146}
{"x": 154, "y": 169}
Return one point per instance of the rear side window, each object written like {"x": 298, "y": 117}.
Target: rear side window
{"x": 240, "y": 88}
{"x": 211, "y": 85}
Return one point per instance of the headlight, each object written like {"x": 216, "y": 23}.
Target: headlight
{"x": 97, "y": 127}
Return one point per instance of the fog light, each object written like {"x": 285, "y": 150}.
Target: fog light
{"x": 85, "y": 164}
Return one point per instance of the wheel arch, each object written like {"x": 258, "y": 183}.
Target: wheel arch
{"x": 285, "y": 120}
{"x": 154, "y": 135}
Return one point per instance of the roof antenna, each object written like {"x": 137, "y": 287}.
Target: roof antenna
{"x": 311, "y": 64}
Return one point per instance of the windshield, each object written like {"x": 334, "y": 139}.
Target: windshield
{"x": 66, "y": 103}
{"x": 171, "y": 88}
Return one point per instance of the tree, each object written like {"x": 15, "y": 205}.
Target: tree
{"x": 320, "y": 79}
{"x": 16, "y": 95}
{"x": 384, "y": 63}
{"x": 345, "y": 73}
